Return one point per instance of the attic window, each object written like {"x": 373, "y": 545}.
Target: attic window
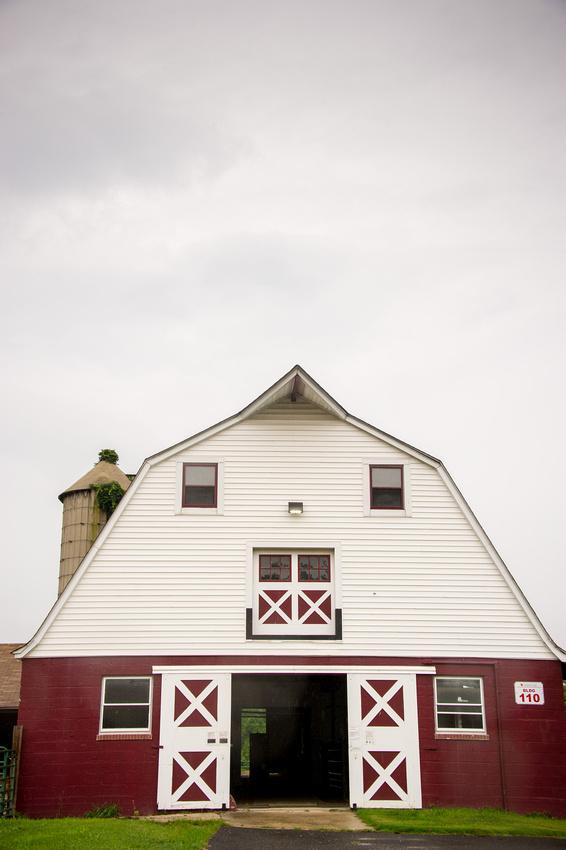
{"x": 386, "y": 487}
{"x": 200, "y": 485}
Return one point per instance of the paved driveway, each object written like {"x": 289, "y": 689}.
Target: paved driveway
{"x": 233, "y": 838}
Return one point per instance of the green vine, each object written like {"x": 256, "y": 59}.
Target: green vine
{"x": 108, "y": 496}
{"x": 109, "y": 455}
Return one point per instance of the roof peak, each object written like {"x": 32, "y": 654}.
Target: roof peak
{"x": 296, "y": 382}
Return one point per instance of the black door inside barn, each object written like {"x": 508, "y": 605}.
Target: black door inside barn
{"x": 289, "y": 738}
{"x": 8, "y": 719}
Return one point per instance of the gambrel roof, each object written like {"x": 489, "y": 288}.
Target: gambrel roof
{"x": 295, "y": 384}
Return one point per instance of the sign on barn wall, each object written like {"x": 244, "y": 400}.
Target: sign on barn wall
{"x": 529, "y": 693}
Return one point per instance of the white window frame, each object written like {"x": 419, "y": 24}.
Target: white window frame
{"x": 278, "y": 631}
{"x": 386, "y": 513}
{"x": 452, "y": 731}
{"x": 131, "y": 731}
{"x": 302, "y": 547}
{"x": 205, "y": 460}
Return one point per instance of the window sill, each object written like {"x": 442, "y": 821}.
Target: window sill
{"x": 124, "y": 736}
{"x": 200, "y": 511}
{"x": 464, "y": 736}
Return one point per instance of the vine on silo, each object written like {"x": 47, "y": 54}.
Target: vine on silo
{"x": 108, "y": 496}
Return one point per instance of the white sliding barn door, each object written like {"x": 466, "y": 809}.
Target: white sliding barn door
{"x": 383, "y": 741}
{"x": 194, "y": 758}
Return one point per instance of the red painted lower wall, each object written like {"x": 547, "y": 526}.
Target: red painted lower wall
{"x": 519, "y": 765}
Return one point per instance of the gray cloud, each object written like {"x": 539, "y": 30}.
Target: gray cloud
{"x": 75, "y": 141}
{"x": 87, "y": 109}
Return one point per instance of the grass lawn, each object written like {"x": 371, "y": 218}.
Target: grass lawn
{"x": 463, "y": 822}
{"x": 104, "y": 834}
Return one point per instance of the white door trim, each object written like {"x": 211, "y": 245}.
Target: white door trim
{"x": 408, "y": 673}
{"x": 427, "y": 670}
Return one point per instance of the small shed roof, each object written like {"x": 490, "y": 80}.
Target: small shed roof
{"x": 102, "y": 472}
{"x": 10, "y": 675}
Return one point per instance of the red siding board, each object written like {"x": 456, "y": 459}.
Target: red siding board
{"x": 66, "y": 771}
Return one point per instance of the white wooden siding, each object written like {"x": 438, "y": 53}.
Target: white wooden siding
{"x": 174, "y": 584}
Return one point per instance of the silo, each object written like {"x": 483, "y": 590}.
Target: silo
{"x": 82, "y": 517}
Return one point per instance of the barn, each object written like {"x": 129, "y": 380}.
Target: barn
{"x": 291, "y": 606}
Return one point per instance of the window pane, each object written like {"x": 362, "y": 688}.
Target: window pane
{"x": 386, "y": 498}
{"x": 458, "y": 691}
{"x": 204, "y": 497}
{"x": 280, "y": 561}
{"x": 275, "y": 567}
{"x": 385, "y": 476}
{"x": 471, "y": 722}
{"x": 200, "y": 476}
{"x": 125, "y": 717}
{"x": 314, "y": 568}
{"x": 126, "y": 690}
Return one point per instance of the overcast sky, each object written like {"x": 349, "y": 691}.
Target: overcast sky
{"x": 195, "y": 196}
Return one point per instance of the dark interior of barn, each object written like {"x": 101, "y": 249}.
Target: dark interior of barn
{"x": 289, "y": 739}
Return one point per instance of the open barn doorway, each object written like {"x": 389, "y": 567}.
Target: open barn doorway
{"x": 289, "y": 738}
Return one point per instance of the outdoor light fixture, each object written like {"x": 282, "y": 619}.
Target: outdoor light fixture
{"x": 295, "y": 508}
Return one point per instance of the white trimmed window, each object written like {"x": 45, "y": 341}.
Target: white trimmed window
{"x": 126, "y": 704}
{"x": 386, "y": 488}
{"x": 294, "y": 594}
{"x": 459, "y": 705}
{"x": 199, "y": 486}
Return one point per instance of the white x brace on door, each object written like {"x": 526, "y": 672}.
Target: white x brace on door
{"x": 194, "y": 759}
{"x": 383, "y": 741}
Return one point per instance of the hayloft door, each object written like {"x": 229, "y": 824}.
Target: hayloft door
{"x": 194, "y": 757}
{"x": 383, "y": 741}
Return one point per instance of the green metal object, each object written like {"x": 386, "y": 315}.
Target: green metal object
{"x": 7, "y": 782}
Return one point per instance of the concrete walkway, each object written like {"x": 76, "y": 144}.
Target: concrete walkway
{"x": 315, "y": 818}
{"x": 290, "y": 818}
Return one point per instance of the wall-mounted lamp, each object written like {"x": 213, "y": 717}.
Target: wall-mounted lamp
{"x": 295, "y": 508}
